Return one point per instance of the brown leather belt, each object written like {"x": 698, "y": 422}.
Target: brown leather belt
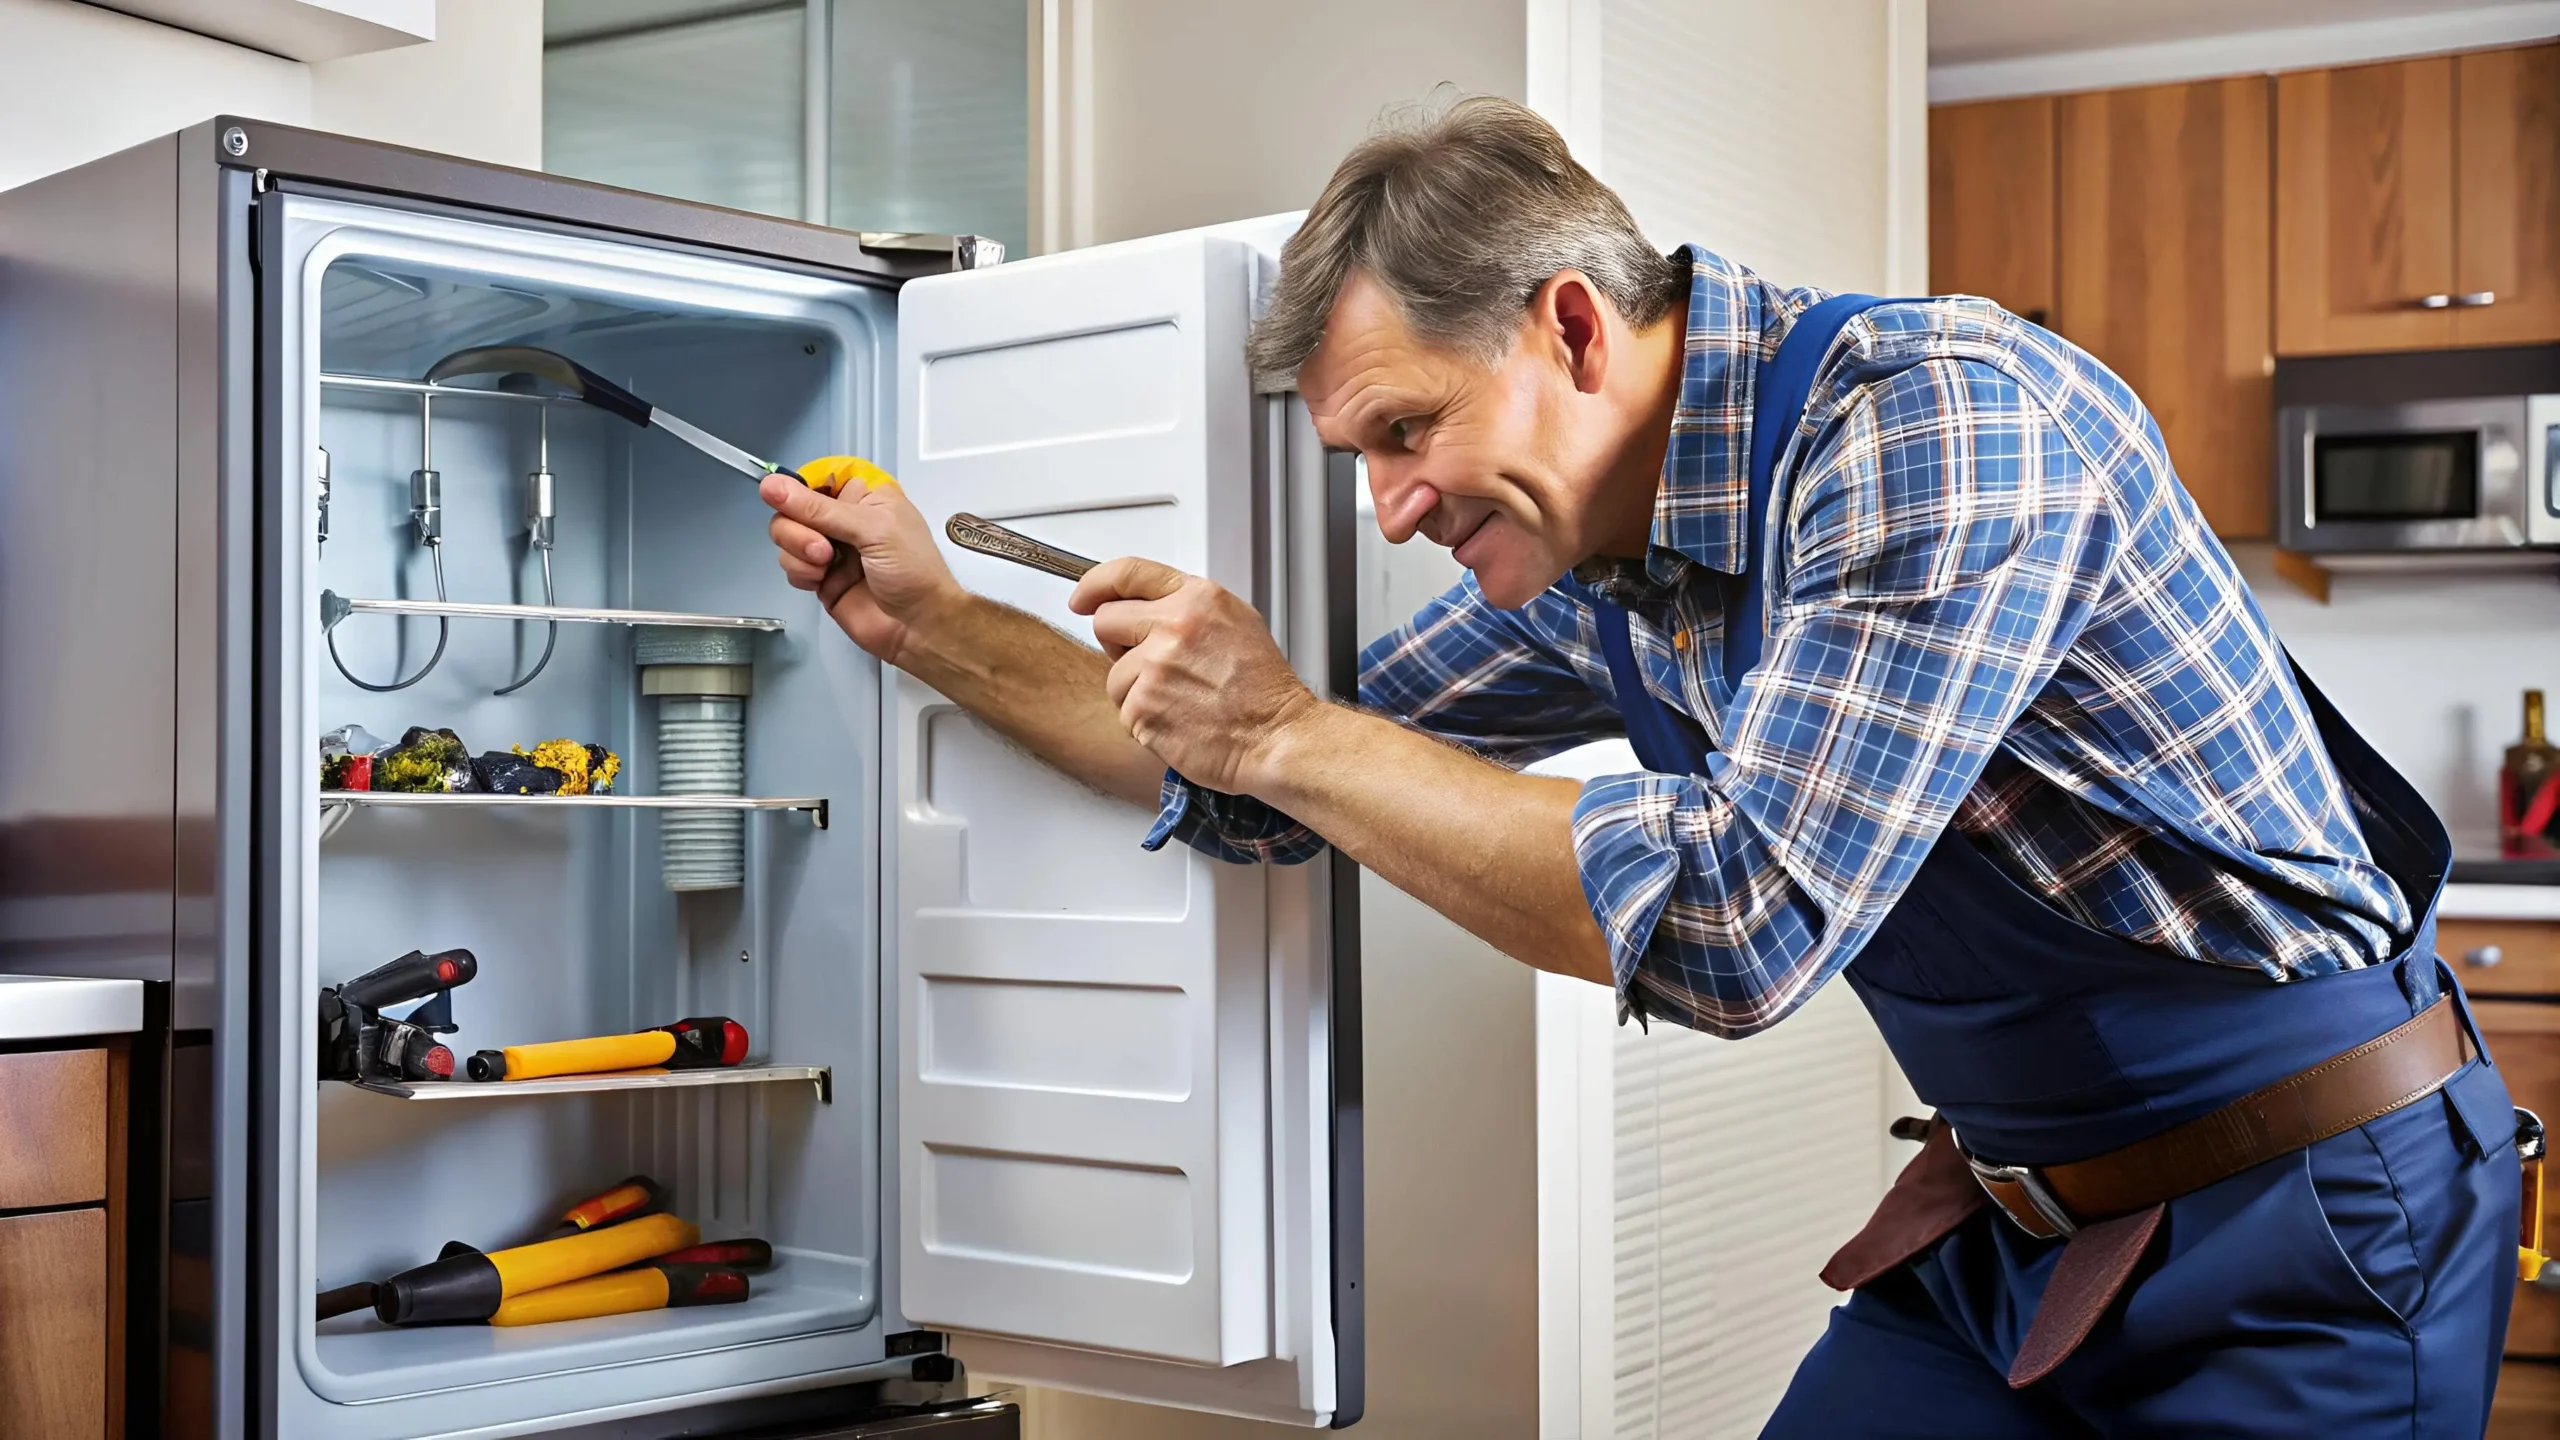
{"x": 2110, "y": 1205}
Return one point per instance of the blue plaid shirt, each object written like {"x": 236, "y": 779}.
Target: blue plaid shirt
{"x": 1993, "y": 606}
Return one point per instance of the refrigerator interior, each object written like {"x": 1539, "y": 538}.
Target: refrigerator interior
{"x": 574, "y": 926}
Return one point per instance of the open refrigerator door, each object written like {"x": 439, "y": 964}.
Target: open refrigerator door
{"x": 1126, "y": 1128}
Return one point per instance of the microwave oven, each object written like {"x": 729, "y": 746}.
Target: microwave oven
{"x": 2452, "y": 474}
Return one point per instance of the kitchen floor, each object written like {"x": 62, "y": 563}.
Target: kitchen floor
{"x": 2528, "y": 1405}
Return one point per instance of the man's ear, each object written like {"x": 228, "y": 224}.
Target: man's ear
{"x": 1570, "y": 310}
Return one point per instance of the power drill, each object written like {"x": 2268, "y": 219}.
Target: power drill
{"x": 358, "y": 1042}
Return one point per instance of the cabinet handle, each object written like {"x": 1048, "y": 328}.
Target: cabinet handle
{"x": 2477, "y": 298}
{"x": 2437, "y": 301}
{"x": 2484, "y": 956}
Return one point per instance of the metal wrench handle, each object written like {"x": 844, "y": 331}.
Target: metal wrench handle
{"x": 989, "y": 538}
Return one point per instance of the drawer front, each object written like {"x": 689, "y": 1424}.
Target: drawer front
{"x": 2525, "y": 1038}
{"x": 53, "y": 1325}
{"x": 2502, "y": 957}
{"x": 53, "y": 1128}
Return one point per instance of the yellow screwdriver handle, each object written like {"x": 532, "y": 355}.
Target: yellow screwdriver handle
{"x": 835, "y": 474}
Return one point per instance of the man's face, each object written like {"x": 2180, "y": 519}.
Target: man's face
{"x": 1497, "y": 463}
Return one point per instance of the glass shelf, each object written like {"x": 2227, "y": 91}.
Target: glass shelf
{"x": 822, "y": 1076}
{"x": 335, "y": 607}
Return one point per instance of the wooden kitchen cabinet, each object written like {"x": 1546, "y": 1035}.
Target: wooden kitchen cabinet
{"x": 2418, "y": 203}
{"x": 53, "y": 1324}
{"x": 2364, "y": 208}
{"x": 2524, "y": 1037}
{"x": 2496, "y": 960}
{"x": 1991, "y": 203}
{"x": 2507, "y": 190}
{"x": 2165, "y": 212}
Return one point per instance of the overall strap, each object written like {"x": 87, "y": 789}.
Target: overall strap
{"x": 1668, "y": 742}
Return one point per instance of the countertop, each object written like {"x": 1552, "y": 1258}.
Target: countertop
{"x": 41, "y": 1007}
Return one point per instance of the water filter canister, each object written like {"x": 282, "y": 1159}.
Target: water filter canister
{"x": 700, "y": 679}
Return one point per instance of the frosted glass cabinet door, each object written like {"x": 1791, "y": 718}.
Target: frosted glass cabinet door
{"x": 930, "y": 123}
{"x": 709, "y": 111}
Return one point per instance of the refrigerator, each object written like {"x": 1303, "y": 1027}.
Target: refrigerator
{"x": 1017, "y": 1091}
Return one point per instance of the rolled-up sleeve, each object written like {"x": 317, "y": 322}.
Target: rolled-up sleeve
{"x": 1461, "y": 669}
{"x": 1943, "y": 551}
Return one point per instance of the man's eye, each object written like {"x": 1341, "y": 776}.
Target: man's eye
{"x": 1405, "y": 430}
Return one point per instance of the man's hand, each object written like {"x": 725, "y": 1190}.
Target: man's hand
{"x": 893, "y": 579}
{"x": 1194, "y": 671}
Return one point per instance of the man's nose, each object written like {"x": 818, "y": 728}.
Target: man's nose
{"x": 1402, "y": 500}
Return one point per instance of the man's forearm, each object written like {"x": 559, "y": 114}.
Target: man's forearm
{"x": 1488, "y": 847}
{"x": 1036, "y": 687}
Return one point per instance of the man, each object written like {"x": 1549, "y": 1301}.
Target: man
{"x": 1939, "y": 680}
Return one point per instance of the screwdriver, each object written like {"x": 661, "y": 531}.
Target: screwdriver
{"x": 701, "y": 1043}
{"x": 828, "y": 475}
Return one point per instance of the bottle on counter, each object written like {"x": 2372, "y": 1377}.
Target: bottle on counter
{"x": 2529, "y": 790}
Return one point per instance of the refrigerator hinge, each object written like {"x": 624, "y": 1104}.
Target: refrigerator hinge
{"x": 967, "y": 252}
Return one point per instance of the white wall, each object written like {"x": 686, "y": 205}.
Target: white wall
{"x": 475, "y": 91}
{"x": 2430, "y": 668}
{"x": 1792, "y": 139}
{"x": 1154, "y": 115}
{"x": 78, "y": 82}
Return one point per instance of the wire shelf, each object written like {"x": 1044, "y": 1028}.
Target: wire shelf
{"x": 814, "y": 805}
{"x": 335, "y": 607}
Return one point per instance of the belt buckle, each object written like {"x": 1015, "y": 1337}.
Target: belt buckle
{"x": 2030, "y": 1184}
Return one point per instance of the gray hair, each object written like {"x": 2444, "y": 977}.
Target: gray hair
{"x": 1461, "y": 215}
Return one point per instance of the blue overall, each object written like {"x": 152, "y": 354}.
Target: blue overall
{"x": 2355, "y": 1288}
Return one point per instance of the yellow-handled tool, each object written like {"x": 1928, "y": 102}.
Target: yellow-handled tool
{"x": 469, "y": 1285}
{"x": 2530, "y": 1145}
{"x": 700, "y": 1043}
{"x": 650, "y": 1287}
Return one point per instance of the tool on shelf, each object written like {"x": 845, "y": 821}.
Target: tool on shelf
{"x": 359, "y": 1042}
{"x": 348, "y": 1299}
{"x": 659, "y": 1285}
{"x": 1005, "y": 543}
{"x": 698, "y": 1043}
{"x": 633, "y": 1198}
{"x": 469, "y": 1285}
{"x": 753, "y": 1256}
{"x": 426, "y": 527}
{"x": 541, "y": 509}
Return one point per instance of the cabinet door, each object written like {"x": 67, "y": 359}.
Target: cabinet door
{"x": 2364, "y": 208}
{"x": 2524, "y": 1038}
{"x": 2164, "y": 274}
{"x": 53, "y": 1324}
{"x": 2507, "y": 177}
{"x": 1991, "y": 203}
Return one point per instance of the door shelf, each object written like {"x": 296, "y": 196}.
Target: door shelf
{"x": 821, "y": 1076}
{"x": 335, "y": 607}
{"x": 334, "y": 803}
